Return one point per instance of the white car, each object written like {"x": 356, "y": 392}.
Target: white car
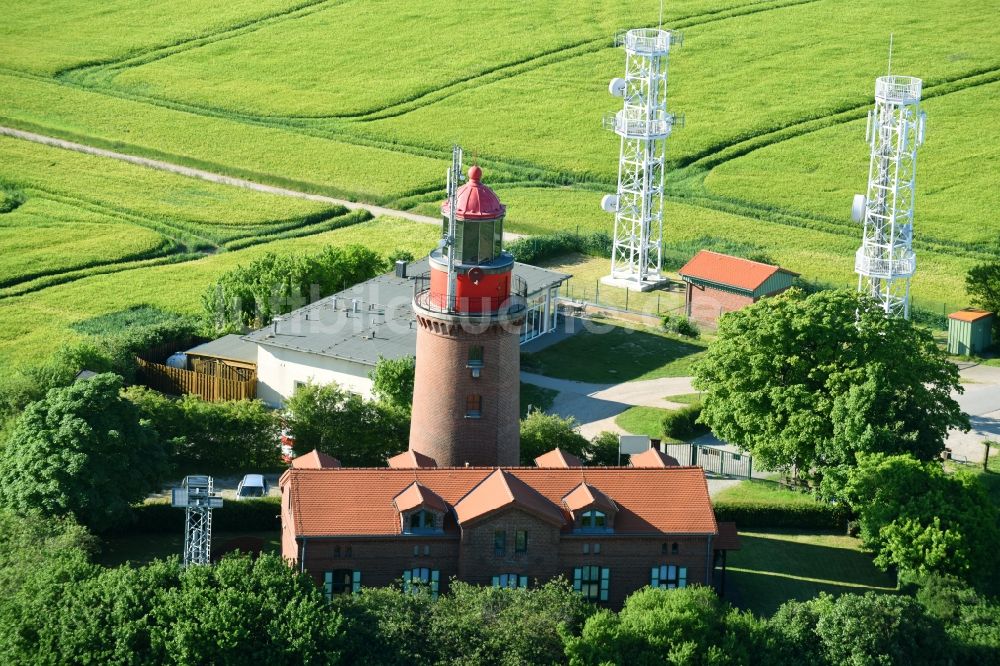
{"x": 252, "y": 485}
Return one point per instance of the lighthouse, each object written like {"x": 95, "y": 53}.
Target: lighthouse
{"x": 469, "y": 310}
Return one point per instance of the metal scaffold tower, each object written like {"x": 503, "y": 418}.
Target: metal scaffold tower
{"x": 643, "y": 124}
{"x": 198, "y": 500}
{"x": 885, "y": 262}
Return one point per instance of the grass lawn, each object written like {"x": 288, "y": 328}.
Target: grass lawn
{"x": 774, "y": 567}
{"x": 586, "y": 285}
{"x": 536, "y": 397}
{"x": 144, "y": 548}
{"x": 756, "y": 491}
{"x": 609, "y": 353}
{"x": 641, "y": 420}
{"x": 684, "y": 398}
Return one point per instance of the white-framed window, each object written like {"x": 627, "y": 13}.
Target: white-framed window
{"x": 473, "y": 406}
{"x": 341, "y": 581}
{"x": 668, "y": 576}
{"x": 414, "y": 579}
{"x": 422, "y": 522}
{"x": 592, "y": 582}
{"x": 510, "y": 580}
{"x": 594, "y": 520}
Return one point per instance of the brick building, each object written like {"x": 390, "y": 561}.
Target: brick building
{"x": 609, "y": 530}
{"x": 719, "y": 283}
{"x": 456, "y": 504}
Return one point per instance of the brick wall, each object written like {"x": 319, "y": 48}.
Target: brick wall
{"x": 705, "y": 304}
{"x": 439, "y": 426}
{"x": 479, "y": 561}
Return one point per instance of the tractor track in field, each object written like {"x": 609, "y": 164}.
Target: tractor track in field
{"x": 92, "y": 76}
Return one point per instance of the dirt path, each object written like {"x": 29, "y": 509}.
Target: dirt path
{"x": 160, "y": 165}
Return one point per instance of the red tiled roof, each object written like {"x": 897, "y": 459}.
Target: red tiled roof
{"x": 558, "y": 458}
{"x": 315, "y": 459}
{"x": 970, "y": 314}
{"x": 409, "y": 459}
{"x": 728, "y": 538}
{"x": 585, "y": 495}
{"x": 418, "y": 495}
{"x": 502, "y": 490}
{"x": 725, "y": 269}
{"x": 356, "y": 501}
{"x": 652, "y": 458}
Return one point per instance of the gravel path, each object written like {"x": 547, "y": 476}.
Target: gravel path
{"x": 221, "y": 179}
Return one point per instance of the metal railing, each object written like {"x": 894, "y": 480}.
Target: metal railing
{"x": 899, "y": 89}
{"x": 884, "y": 268}
{"x": 633, "y": 125}
{"x": 512, "y": 303}
{"x": 650, "y": 41}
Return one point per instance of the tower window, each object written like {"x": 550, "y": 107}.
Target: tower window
{"x": 473, "y": 406}
{"x": 475, "y": 356}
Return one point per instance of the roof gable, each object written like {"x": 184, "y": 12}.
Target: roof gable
{"x": 501, "y": 490}
{"x": 417, "y": 495}
{"x": 652, "y": 458}
{"x": 586, "y": 495}
{"x": 557, "y": 458}
{"x": 727, "y": 270}
{"x": 315, "y": 459}
{"x": 411, "y": 459}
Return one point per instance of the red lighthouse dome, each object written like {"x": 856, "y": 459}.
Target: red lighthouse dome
{"x": 475, "y": 200}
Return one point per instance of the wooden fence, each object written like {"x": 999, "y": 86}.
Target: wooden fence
{"x": 177, "y": 382}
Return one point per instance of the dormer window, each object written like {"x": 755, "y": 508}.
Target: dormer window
{"x": 593, "y": 520}
{"x": 422, "y": 521}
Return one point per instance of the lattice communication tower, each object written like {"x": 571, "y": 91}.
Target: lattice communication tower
{"x": 195, "y": 496}
{"x": 885, "y": 262}
{"x": 643, "y": 125}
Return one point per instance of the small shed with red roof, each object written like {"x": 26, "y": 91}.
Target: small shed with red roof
{"x": 719, "y": 283}
{"x": 969, "y": 331}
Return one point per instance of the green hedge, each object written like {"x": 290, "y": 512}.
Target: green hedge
{"x": 251, "y": 515}
{"x": 682, "y": 424}
{"x": 748, "y": 515}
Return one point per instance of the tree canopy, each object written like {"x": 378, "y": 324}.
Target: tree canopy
{"x": 274, "y": 284}
{"x": 541, "y": 432}
{"x": 81, "y": 451}
{"x": 358, "y": 432}
{"x": 982, "y": 283}
{"x": 807, "y": 382}
{"x": 392, "y": 381}
{"x": 916, "y": 517}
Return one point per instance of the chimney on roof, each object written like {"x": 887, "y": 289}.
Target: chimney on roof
{"x": 355, "y": 305}
{"x": 274, "y": 323}
{"x": 401, "y": 268}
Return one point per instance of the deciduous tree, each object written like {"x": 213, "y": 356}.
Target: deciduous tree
{"x": 81, "y": 451}
{"x": 807, "y": 382}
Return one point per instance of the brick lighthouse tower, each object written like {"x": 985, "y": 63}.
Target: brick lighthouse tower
{"x": 469, "y": 310}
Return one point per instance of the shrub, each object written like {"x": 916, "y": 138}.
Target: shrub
{"x": 683, "y": 423}
{"x": 767, "y": 515}
{"x": 539, "y": 248}
{"x": 680, "y": 326}
{"x": 232, "y": 436}
{"x": 249, "y": 515}
{"x": 541, "y": 432}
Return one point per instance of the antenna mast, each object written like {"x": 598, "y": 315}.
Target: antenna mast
{"x": 454, "y": 178}
{"x": 197, "y": 499}
{"x": 885, "y": 262}
{"x": 643, "y": 125}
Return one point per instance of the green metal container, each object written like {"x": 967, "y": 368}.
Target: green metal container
{"x": 969, "y": 331}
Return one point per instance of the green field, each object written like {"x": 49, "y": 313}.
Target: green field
{"x": 362, "y": 100}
